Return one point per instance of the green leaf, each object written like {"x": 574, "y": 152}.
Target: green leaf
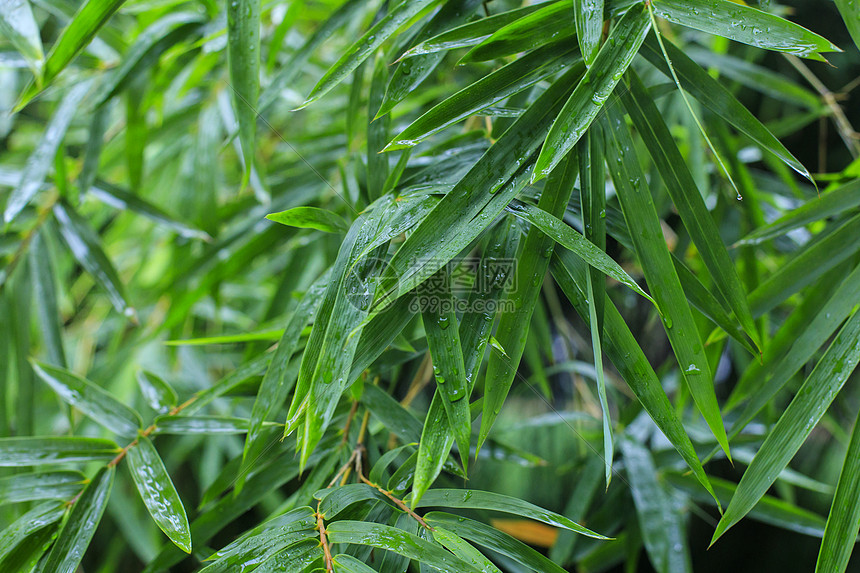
{"x": 531, "y": 266}
{"x": 709, "y": 92}
{"x": 830, "y": 204}
{"x": 243, "y": 48}
{"x": 547, "y": 24}
{"x": 90, "y": 399}
{"x": 19, "y": 27}
{"x": 593, "y": 89}
{"x": 473, "y": 499}
{"x": 42, "y": 157}
{"x": 158, "y": 493}
{"x": 850, "y": 12}
{"x": 78, "y": 530}
{"x": 473, "y": 32}
{"x": 744, "y": 24}
{"x": 42, "y": 275}
{"x": 335, "y": 500}
{"x": 658, "y": 521}
{"x": 349, "y": 564}
{"x": 570, "y": 239}
{"x": 489, "y": 90}
{"x": 780, "y": 367}
{"x": 366, "y": 45}
{"x": 86, "y": 248}
{"x": 36, "y": 451}
{"x": 791, "y": 430}
{"x": 475, "y": 328}
{"x": 399, "y": 541}
{"x": 627, "y": 356}
{"x": 411, "y": 72}
{"x": 127, "y": 201}
{"x": 393, "y": 416}
{"x": 75, "y": 37}
{"x": 180, "y": 425}
{"x": 27, "y": 525}
{"x": 294, "y": 558}
{"x": 588, "y": 16}
{"x": 160, "y": 395}
{"x": 464, "y": 212}
{"x": 443, "y": 341}
{"x": 843, "y": 523}
{"x": 816, "y": 258}
{"x": 38, "y": 486}
{"x": 493, "y": 539}
{"x": 653, "y": 254}
{"x": 687, "y": 199}
{"x": 456, "y": 545}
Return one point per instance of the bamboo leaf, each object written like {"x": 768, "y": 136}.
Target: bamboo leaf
{"x": 531, "y": 267}
{"x": 36, "y": 451}
{"x": 473, "y": 499}
{"x": 100, "y": 406}
{"x": 181, "y": 425}
{"x": 40, "y": 161}
{"x": 850, "y": 12}
{"x": 78, "y": 530}
{"x": 399, "y": 541}
{"x": 85, "y": 246}
{"x": 456, "y": 545}
{"x": 653, "y": 255}
{"x": 310, "y": 218}
{"x": 594, "y": 88}
{"x": 493, "y": 88}
{"x": 744, "y": 24}
{"x": 243, "y": 35}
{"x": 27, "y": 525}
{"x": 687, "y": 199}
{"x": 710, "y": 93}
{"x": 366, "y": 45}
{"x": 158, "y": 492}
{"x": 550, "y": 23}
{"x": 20, "y": 28}
{"x": 588, "y": 15}
{"x": 843, "y": 523}
{"x": 39, "y": 486}
{"x": 795, "y": 424}
{"x": 443, "y": 340}
{"x": 160, "y": 395}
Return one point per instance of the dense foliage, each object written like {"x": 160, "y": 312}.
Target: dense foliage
{"x": 424, "y": 285}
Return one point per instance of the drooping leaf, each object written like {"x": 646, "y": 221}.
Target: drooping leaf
{"x": 243, "y": 34}
{"x": 594, "y": 88}
{"x": 77, "y": 531}
{"x": 90, "y": 399}
{"x": 588, "y": 15}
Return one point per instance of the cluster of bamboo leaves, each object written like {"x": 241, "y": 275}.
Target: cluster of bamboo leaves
{"x": 218, "y": 220}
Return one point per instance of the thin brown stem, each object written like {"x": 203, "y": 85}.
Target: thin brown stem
{"x": 329, "y": 565}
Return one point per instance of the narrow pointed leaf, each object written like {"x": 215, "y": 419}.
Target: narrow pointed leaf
{"x": 794, "y": 426}
{"x": 588, "y": 15}
{"x": 28, "y": 524}
{"x": 37, "y": 486}
{"x": 19, "y": 27}
{"x": 594, "y": 88}
{"x": 310, "y": 218}
{"x": 78, "y": 530}
{"x": 531, "y": 267}
{"x": 399, "y": 541}
{"x": 547, "y": 24}
{"x": 243, "y": 35}
{"x": 850, "y": 11}
{"x": 160, "y": 395}
{"x": 687, "y": 199}
{"x": 443, "y": 340}
{"x": 100, "y": 406}
{"x": 744, "y": 24}
{"x": 843, "y": 523}
{"x": 85, "y": 246}
{"x": 367, "y": 44}
{"x": 209, "y": 425}
{"x": 36, "y": 451}
{"x": 653, "y": 254}
{"x": 489, "y": 90}
{"x": 709, "y": 92}
{"x": 158, "y": 493}
{"x": 473, "y": 32}
{"x": 461, "y": 548}
{"x": 473, "y": 499}
{"x": 40, "y": 161}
